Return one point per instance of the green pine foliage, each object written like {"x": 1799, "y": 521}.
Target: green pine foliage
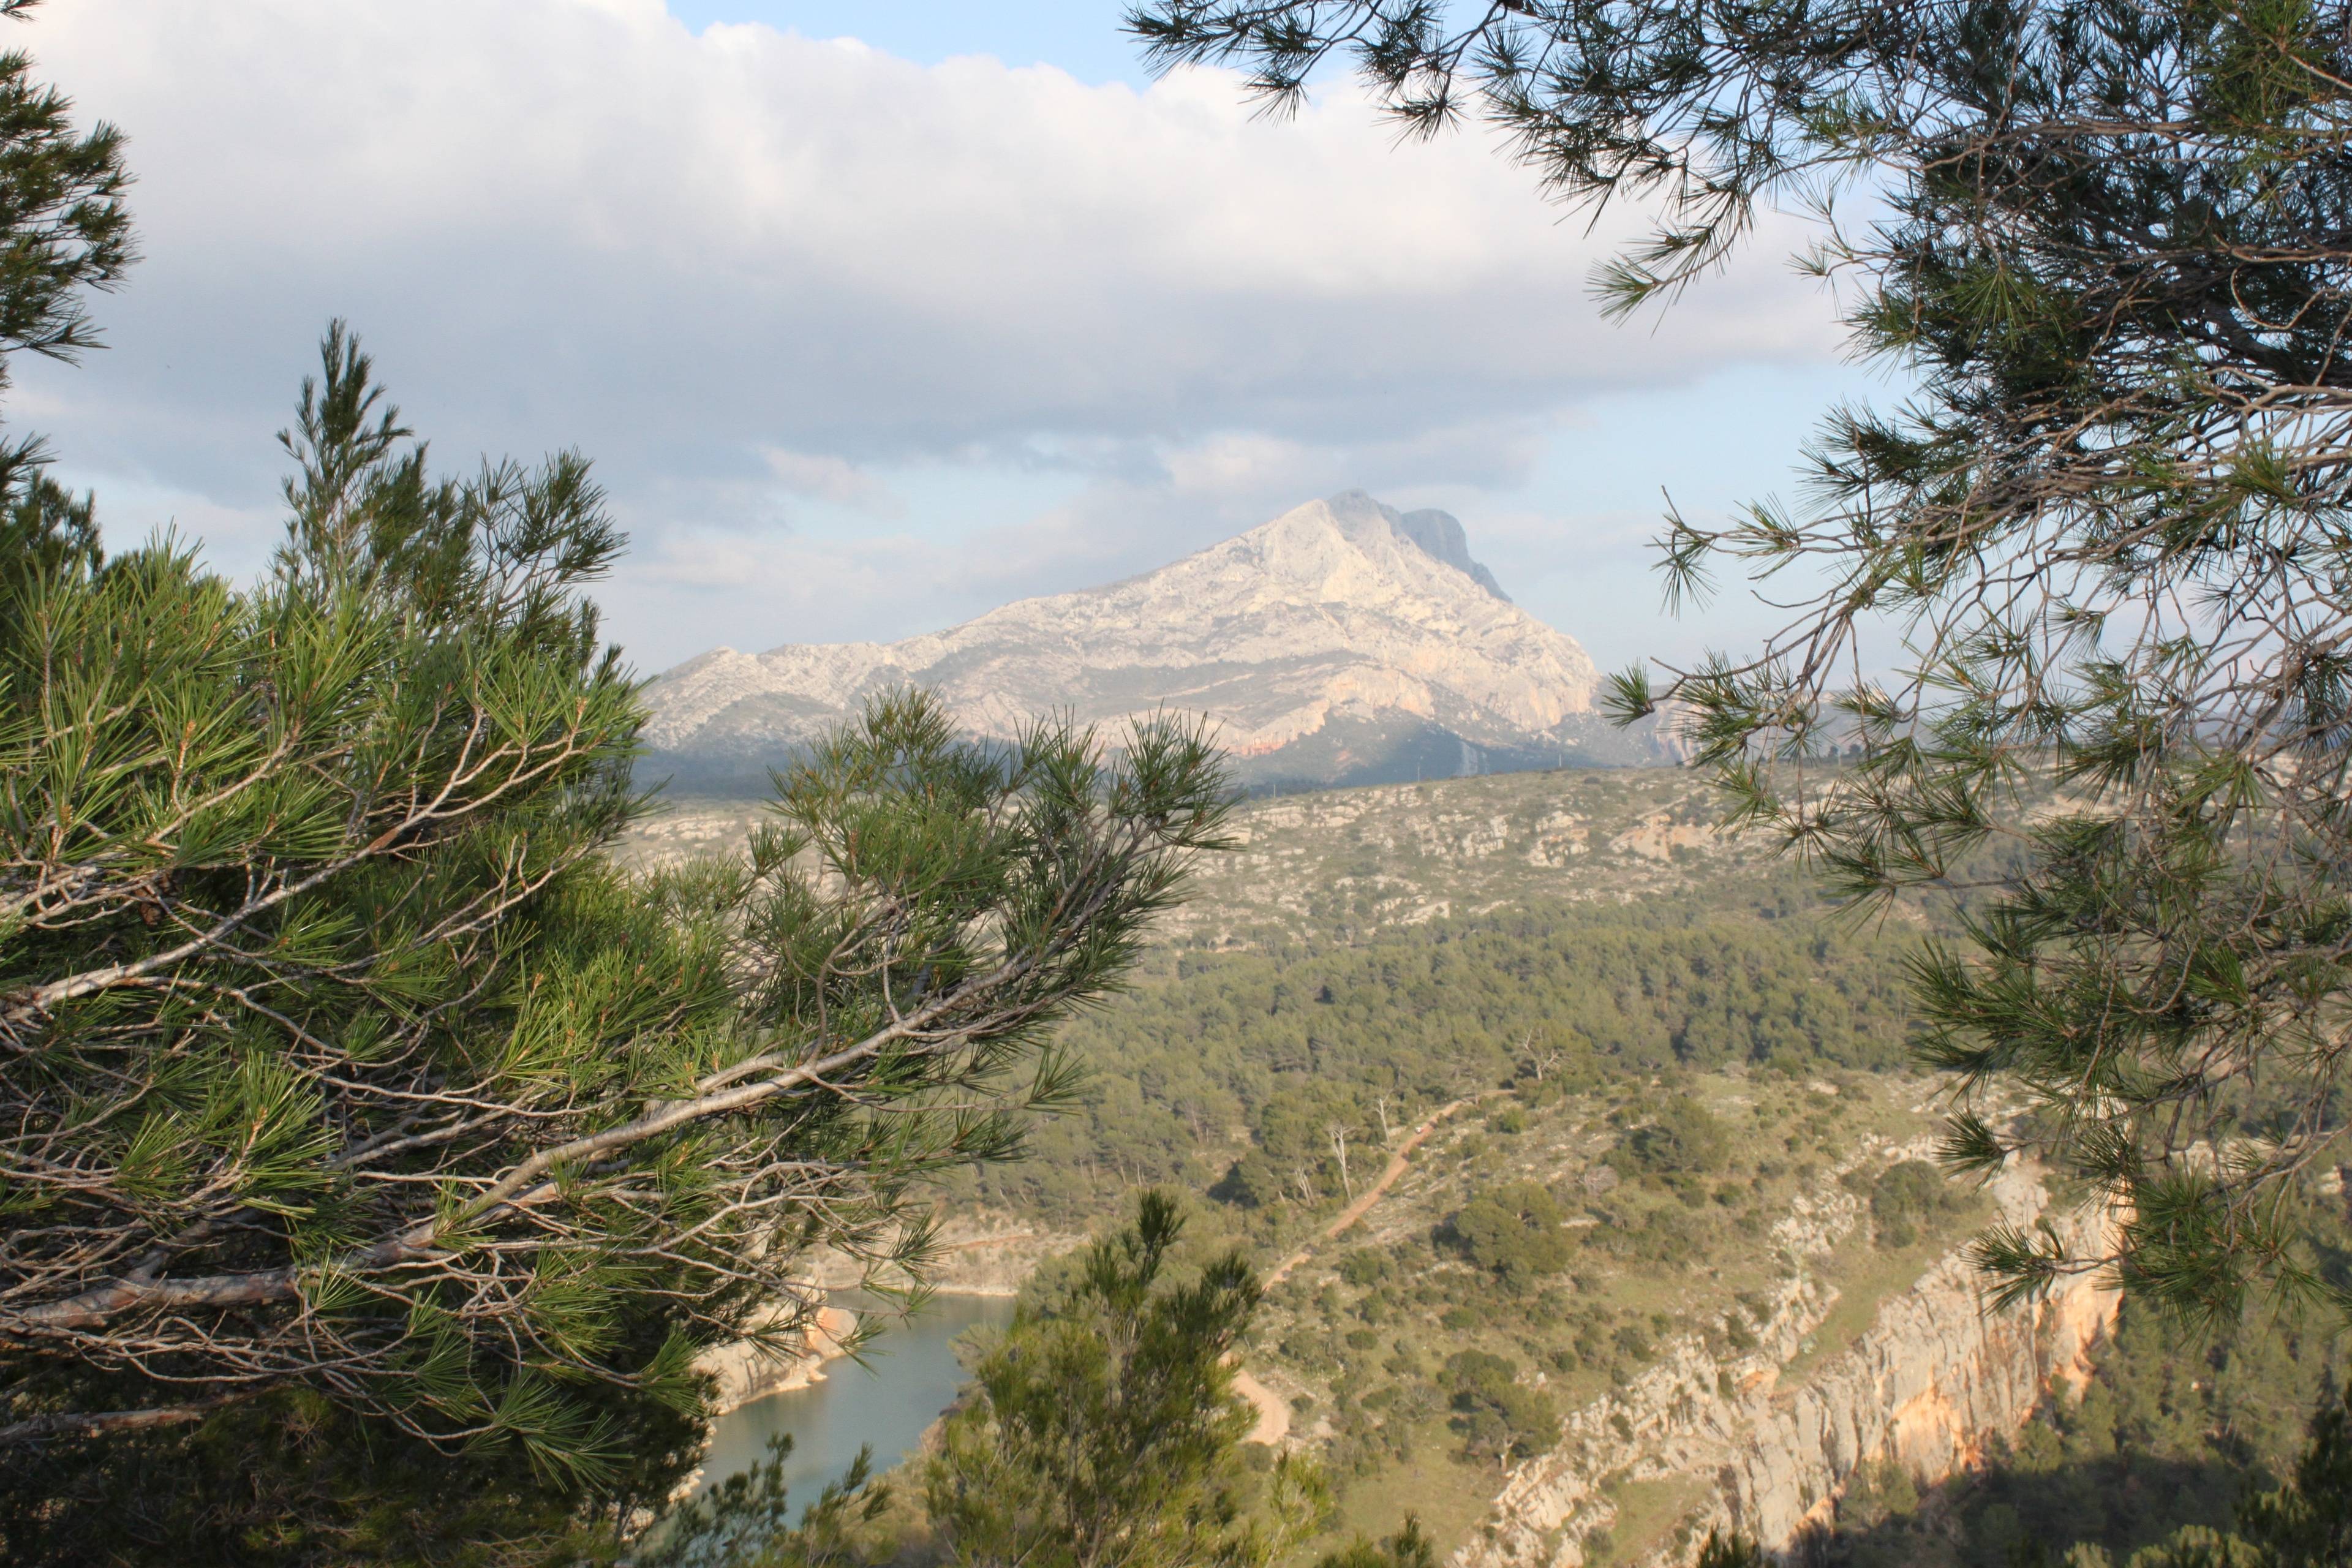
{"x": 1305, "y": 1044}
{"x": 2100, "y": 549}
{"x": 1498, "y": 1418}
{"x": 1409, "y": 1547}
{"x": 1720, "y": 1550}
{"x": 2307, "y": 1522}
{"x": 1903, "y": 1196}
{"x": 1683, "y": 1139}
{"x": 346, "y": 1062}
{"x": 65, "y": 229}
{"x": 379, "y": 1154}
{"x": 291, "y": 1478}
{"x": 1102, "y": 1431}
{"x": 1515, "y": 1231}
{"x": 64, "y": 224}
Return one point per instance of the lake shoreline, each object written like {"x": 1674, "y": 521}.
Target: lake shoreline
{"x": 896, "y": 1389}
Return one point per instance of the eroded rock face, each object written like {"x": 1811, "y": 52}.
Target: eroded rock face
{"x": 1343, "y": 640}
{"x": 976, "y": 1252}
{"x": 1933, "y": 1376}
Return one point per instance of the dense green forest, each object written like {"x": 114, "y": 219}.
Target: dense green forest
{"x": 1241, "y": 1071}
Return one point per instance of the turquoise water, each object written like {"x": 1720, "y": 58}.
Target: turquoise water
{"x": 910, "y": 1376}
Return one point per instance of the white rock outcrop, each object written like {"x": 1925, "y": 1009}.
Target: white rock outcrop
{"x": 1935, "y": 1377}
{"x": 746, "y": 1371}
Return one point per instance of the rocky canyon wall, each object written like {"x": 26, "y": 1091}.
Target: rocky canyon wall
{"x": 1937, "y": 1375}
{"x": 1764, "y": 1443}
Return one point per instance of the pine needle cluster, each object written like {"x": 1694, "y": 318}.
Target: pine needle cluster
{"x": 344, "y": 1075}
{"x": 2066, "y": 638}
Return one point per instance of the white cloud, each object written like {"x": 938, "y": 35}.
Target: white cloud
{"x": 729, "y": 263}
{"x": 821, "y": 477}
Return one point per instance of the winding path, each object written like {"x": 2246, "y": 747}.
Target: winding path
{"x": 1274, "y": 1411}
{"x": 1364, "y": 1200}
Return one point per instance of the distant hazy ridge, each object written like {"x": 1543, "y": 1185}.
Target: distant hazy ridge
{"x": 1342, "y": 642}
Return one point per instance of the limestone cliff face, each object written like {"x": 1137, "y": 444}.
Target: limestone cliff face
{"x": 1932, "y": 1380}
{"x": 1343, "y": 640}
{"x": 977, "y": 1252}
{"x": 1933, "y": 1377}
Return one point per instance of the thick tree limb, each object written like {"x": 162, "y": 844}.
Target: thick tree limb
{"x": 112, "y": 1423}
{"x": 94, "y": 1307}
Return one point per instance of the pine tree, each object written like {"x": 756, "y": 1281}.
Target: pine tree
{"x": 2307, "y": 1522}
{"x": 2110, "y": 535}
{"x": 1721, "y": 1550}
{"x": 370, "y": 1142}
{"x": 2304, "y": 1523}
{"x": 1408, "y": 1548}
{"x": 1103, "y": 1432}
{"x": 65, "y": 229}
{"x": 342, "y": 1054}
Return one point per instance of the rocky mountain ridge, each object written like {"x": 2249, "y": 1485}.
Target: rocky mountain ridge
{"x": 1342, "y": 642}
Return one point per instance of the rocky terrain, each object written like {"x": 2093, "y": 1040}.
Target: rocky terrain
{"x": 1344, "y": 863}
{"x": 1342, "y": 642}
{"x": 1802, "y": 1349}
{"x": 1339, "y": 864}
{"x": 1935, "y": 1377}
{"x": 746, "y": 1371}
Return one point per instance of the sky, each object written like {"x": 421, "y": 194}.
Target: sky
{"x": 875, "y": 316}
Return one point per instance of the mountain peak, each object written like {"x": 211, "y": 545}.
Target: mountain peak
{"x": 1341, "y": 642}
{"x": 1437, "y": 534}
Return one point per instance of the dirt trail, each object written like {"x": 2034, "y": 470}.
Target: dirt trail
{"x": 1273, "y": 1410}
{"x": 1371, "y": 1194}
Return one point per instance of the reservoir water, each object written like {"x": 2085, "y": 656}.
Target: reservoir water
{"x": 910, "y": 1376}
